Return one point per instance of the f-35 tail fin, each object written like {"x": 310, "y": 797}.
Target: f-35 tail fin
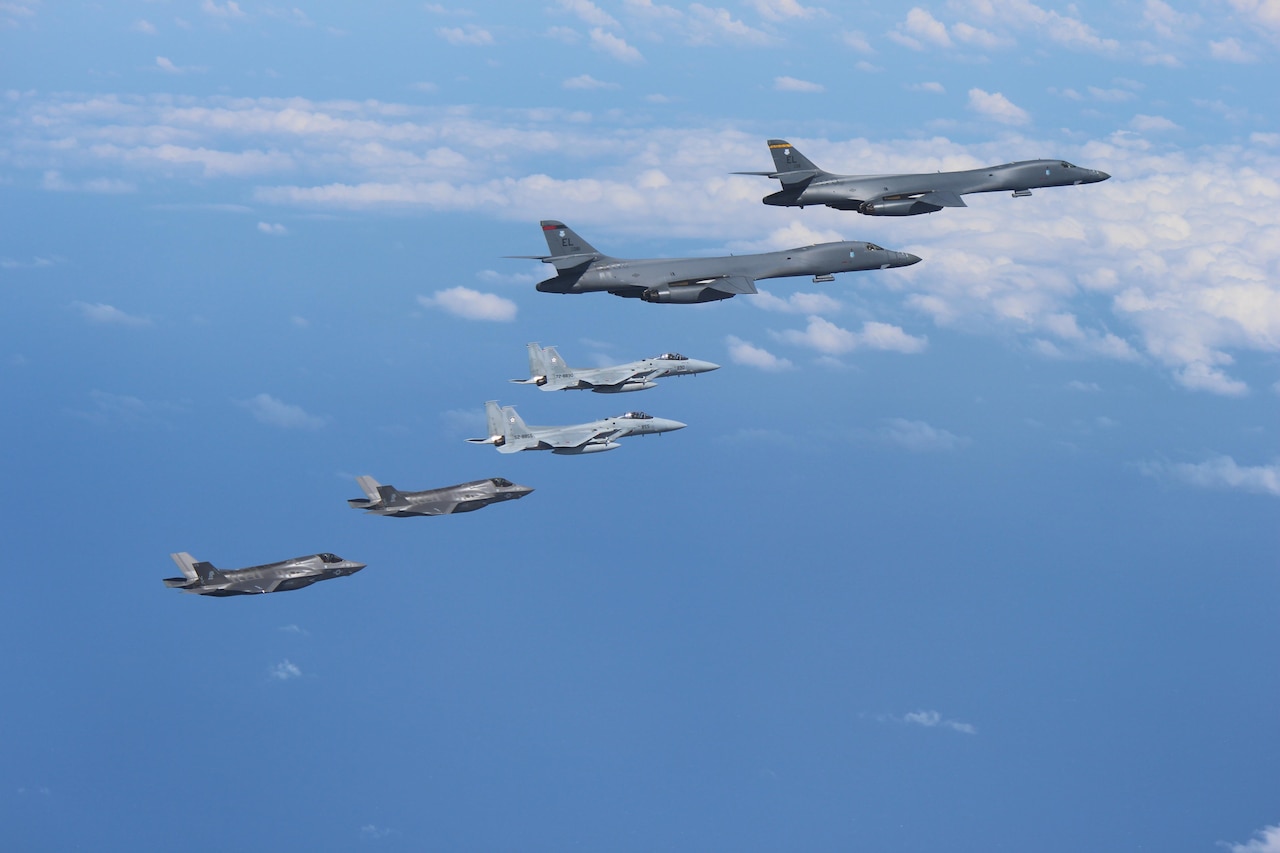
{"x": 193, "y": 571}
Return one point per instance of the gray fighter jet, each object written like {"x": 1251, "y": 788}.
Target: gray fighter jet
{"x": 464, "y": 497}
{"x": 582, "y": 269}
{"x": 909, "y": 195}
{"x": 549, "y": 372}
{"x": 510, "y": 434}
{"x": 204, "y": 579}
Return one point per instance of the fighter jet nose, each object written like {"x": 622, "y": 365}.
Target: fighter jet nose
{"x": 355, "y": 567}
{"x": 1103, "y": 176}
{"x": 674, "y": 425}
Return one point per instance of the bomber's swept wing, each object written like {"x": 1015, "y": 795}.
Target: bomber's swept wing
{"x": 943, "y": 198}
{"x": 733, "y": 284}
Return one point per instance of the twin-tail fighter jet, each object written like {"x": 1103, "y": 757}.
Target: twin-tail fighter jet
{"x": 464, "y": 497}
{"x": 580, "y": 268}
{"x": 548, "y": 371}
{"x": 205, "y": 579}
{"x": 804, "y": 183}
{"x": 510, "y": 434}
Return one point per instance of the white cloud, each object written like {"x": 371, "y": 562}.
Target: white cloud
{"x": 589, "y": 12}
{"x": 932, "y": 719}
{"x": 230, "y": 9}
{"x": 827, "y": 337}
{"x": 857, "y": 40}
{"x": 1231, "y": 50}
{"x": 586, "y": 81}
{"x": 1063, "y": 29}
{"x": 55, "y": 182}
{"x": 268, "y": 410}
{"x": 615, "y": 46}
{"x": 709, "y": 24}
{"x": 144, "y": 26}
{"x": 125, "y": 409}
{"x": 792, "y": 84}
{"x": 1088, "y": 387}
{"x": 997, "y": 107}
{"x": 932, "y": 87}
{"x": 109, "y": 315}
{"x": 285, "y": 670}
{"x": 273, "y": 228}
{"x": 1219, "y": 472}
{"x": 1146, "y": 123}
{"x": 1263, "y": 13}
{"x": 469, "y": 35}
{"x": 919, "y": 436}
{"x": 927, "y": 29}
{"x": 797, "y": 303}
{"x": 781, "y": 10}
{"x": 979, "y": 37}
{"x": 742, "y": 352}
{"x": 1265, "y": 840}
{"x": 471, "y": 304}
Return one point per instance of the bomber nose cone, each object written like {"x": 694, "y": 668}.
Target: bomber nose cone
{"x": 908, "y": 259}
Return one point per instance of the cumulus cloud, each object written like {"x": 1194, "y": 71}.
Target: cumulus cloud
{"x": 268, "y": 410}
{"x": 742, "y": 352}
{"x": 797, "y": 303}
{"x": 463, "y": 36}
{"x": 285, "y": 670}
{"x": 792, "y": 84}
{"x": 273, "y": 228}
{"x": 471, "y": 304}
{"x": 997, "y": 107}
{"x": 144, "y": 26}
{"x": 615, "y": 46}
{"x": 109, "y": 315}
{"x": 1152, "y": 123}
{"x": 1231, "y": 50}
{"x": 827, "y": 337}
{"x": 589, "y": 12}
{"x": 230, "y": 9}
{"x": 1265, "y": 840}
{"x": 586, "y": 81}
{"x": 1218, "y": 472}
{"x": 918, "y": 436}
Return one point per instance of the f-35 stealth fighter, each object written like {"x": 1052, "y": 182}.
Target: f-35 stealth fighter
{"x": 205, "y": 579}
{"x": 549, "y": 372}
{"x": 464, "y": 497}
{"x": 580, "y": 268}
{"x": 804, "y": 183}
{"x": 510, "y": 434}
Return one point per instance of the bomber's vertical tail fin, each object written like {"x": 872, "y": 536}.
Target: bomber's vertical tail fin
{"x": 563, "y": 242}
{"x": 791, "y": 165}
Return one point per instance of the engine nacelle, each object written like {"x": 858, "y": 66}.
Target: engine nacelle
{"x": 897, "y": 207}
{"x": 586, "y": 448}
{"x": 539, "y": 381}
{"x": 683, "y": 294}
{"x": 629, "y": 386}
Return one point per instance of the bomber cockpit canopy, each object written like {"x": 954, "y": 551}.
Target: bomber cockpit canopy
{"x": 637, "y": 416}
{"x": 1067, "y": 165}
{"x": 873, "y": 247}
{"x": 501, "y": 482}
{"x": 329, "y": 558}
{"x": 673, "y": 356}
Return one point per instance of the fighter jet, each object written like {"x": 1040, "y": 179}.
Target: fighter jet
{"x": 549, "y": 372}
{"x": 464, "y": 497}
{"x": 510, "y": 434}
{"x": 204, "y": 579}
{"x": 909, "y": 195}
{"x": 580, "y": 268}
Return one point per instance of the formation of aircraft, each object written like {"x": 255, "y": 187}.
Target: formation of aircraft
{"x": 464, "y": 497}
{"x": 581, "y": 268}
{"x": 206, "y": 579}
{"x": 510, "y": 434}
{"x": 548, "y": 371}
{"x": 803, "y": 184}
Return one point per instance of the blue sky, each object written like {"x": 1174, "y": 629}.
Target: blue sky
{"x": 978, "y": 554}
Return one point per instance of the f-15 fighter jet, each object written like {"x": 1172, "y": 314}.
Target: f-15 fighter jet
{"x": 909, "y": 195}
{"x": 510, "y": 434}
{"x": 548, "y": 371}
{"x": 205, "y": 579}
{"x": 580, "y": 268}
{"x": 464, "y": 497}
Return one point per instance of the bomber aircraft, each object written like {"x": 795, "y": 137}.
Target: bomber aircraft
{"x": 909, "y": 195}
{"x": 205, "y": 579}
{"x": 580, "y": 268}
{"x": 464, "y": 497}
{"x": 510, "y": 434}
{"x": 549, "y": 372}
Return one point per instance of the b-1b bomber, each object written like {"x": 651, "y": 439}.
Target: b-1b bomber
{"x": 803, "y": 184}
{"x": 464, "y": 497}
{"x": 206, "y": 579}
{"x": 510, "y": 434}
{"x": 581, "y": 268}
{"x": 549, "y": 372}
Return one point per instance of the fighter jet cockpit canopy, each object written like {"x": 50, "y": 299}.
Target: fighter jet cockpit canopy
{"x": 329, "y": 558}
{"x": 501, "y": 482}
{"x": 673, "y": 356}
{"x": 638, "y": 416}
